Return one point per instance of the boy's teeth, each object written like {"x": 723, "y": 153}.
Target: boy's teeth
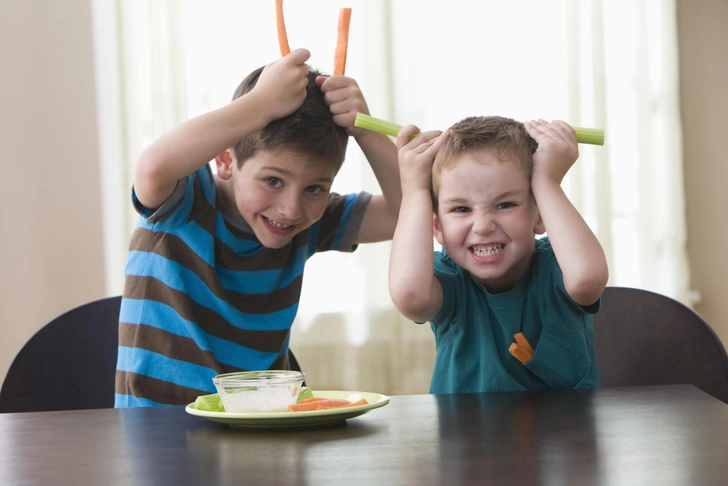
{"x": 487, "y": 250}
{"x": 277, "y": 225}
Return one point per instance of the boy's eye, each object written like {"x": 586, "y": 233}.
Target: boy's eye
{"x": 273, "y": 181}
{"x": 315, "y": 189}
{"x": 505, "y": 205}
{"x": 461, "y": 209}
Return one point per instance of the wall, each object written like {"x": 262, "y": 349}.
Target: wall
{"x": 51, "y": 248}
{"x": 703, "y": 39}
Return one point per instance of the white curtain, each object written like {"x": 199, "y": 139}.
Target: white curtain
{"x": 610, "y": 65}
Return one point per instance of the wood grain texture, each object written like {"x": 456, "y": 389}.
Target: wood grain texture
{"x": 673, "y": 434}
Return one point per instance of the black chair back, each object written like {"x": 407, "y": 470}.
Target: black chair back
{"x": 69, "y": 364}
{"x": 644, "y": 338}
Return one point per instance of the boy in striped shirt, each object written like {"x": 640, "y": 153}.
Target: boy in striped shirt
{"x": 216, "y": 262}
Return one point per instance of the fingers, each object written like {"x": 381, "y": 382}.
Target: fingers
{"x": 404, "y": 135}
{"x": 330, "y": 83}
{"x": 556, "y": 130}
{"x": 298, "y": 56}
{"x": 427, "y": 143}
{"x": 320, "y": 80}
{"x": 440, "y": 141}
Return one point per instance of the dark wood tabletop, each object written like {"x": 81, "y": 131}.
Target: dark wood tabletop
{"x": 639, "y": 435}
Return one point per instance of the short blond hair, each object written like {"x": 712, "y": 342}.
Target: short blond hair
{"x": 505, "y": 138}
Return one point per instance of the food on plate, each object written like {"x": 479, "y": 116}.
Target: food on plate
{"x": 317, "y": 403}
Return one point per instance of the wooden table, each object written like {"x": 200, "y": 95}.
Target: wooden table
{"x": 643, "y": 435}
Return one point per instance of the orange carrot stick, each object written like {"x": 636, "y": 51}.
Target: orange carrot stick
{"x": 312, "y": 399}
{"x": 355, "y": 404}
{"x": 281, "y": 25}
{"x": 342, "y": 41}
{"x": 519, "y": 353}
{"x": 523, "y": 342}
{"x": 330, "y": 402}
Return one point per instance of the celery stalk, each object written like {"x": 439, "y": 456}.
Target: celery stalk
{"x": 592, "y": 136}
{"x": 377, "y": 125}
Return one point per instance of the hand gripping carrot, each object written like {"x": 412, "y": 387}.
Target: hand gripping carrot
{"x": 281, "y": 25}
{"x": 342, "y": 41}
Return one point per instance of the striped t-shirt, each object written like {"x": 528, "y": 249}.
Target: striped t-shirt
{"x": 203, "y": 296}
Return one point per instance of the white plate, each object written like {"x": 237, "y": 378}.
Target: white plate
{"x": 297, "y": 419}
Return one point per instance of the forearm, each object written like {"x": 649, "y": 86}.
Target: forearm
{"x": 193, "y": 144}
{"x": 579, "y": 253}
{"x": 412, "y": 284}
{"x": 381, "y": 153}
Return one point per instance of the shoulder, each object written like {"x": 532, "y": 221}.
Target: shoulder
{"x": 544, "y": 258}
{"x": 544, "y": 249}
{"x": 444, "y": 266}
{"x": 548, "y": 278}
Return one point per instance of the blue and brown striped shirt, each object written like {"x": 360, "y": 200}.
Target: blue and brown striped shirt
{"x": 203, "y": 296}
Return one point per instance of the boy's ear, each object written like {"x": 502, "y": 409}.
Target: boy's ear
{"x": 539, "y": 228}
{"x": 224, "y": 163}
{"x": 437, "y": 229}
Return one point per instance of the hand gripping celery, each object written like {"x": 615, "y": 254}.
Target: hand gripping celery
{"x": 593, "y": 136}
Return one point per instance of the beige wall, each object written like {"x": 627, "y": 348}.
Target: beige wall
{"x": 50, "y": 219}
{"x": 51, "y": 237}
{"x": 703, "y": 40}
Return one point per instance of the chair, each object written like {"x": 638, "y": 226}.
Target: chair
{"x": 644, "y": 338}
{"x": 70, "y": 364}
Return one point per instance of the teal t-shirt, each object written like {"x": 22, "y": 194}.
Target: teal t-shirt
{"x": 474, "y": 329}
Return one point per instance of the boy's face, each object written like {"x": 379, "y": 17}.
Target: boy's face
{"x": 487, "y": 218}
{"x": 280, "y": 194}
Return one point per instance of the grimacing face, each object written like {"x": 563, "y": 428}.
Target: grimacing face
{"x": 280, "y": 194}
{"x": 487, "y": 218}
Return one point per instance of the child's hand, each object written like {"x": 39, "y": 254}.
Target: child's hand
{"x": 282, "y": 84}
{"x": 345, "y": 100}
{"x": 557, "y": 149}
{"x": 417, "y": 154}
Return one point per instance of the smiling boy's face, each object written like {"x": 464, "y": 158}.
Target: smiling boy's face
{"x": 278, "y": 193}
{"x": 487, "y": 218}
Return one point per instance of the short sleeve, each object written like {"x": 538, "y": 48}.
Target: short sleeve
{"x": 176, "y": 210}
{"x": 340, "y": 223}
{"x": 451, "y": 281}
{"x": 553, "y": 280}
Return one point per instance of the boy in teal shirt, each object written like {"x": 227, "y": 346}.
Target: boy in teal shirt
{"x": 485, "y": 188}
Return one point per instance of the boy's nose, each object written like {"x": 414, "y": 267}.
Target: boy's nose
{"x": 484, "y": 224}
{"x": 290, "y": 207}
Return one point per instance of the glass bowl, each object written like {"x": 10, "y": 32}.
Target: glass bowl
{"x": 258, "y": 391}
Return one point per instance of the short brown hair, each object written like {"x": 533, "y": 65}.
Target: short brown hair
{"x": 505, "y": 137}
{"x": 309, "y": 131}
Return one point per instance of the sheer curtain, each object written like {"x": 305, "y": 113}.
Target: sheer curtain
{"x": 610, "y": 65}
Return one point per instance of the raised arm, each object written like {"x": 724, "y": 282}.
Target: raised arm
{"x": 412, "y": 285}
{"x": 345, "y": 100}
{"x": 579, "y": 253}
{"x": 280, "y": 90}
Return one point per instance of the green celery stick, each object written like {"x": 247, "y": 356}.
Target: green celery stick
{"x": 304, "y": 393}
{"x": 210, "y": 403}
{"x": 592, "y": 136}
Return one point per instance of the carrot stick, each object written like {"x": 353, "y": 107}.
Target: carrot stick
{"x": 329, "y": 402}
{"x": 281, "y": 25}
{"x": 355, "y": 404}
{"x": 312, "y": 399}
{"x": 523, "y": 342}
{"x": 519, "y": 353}
{"x": 342, "y": 41}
